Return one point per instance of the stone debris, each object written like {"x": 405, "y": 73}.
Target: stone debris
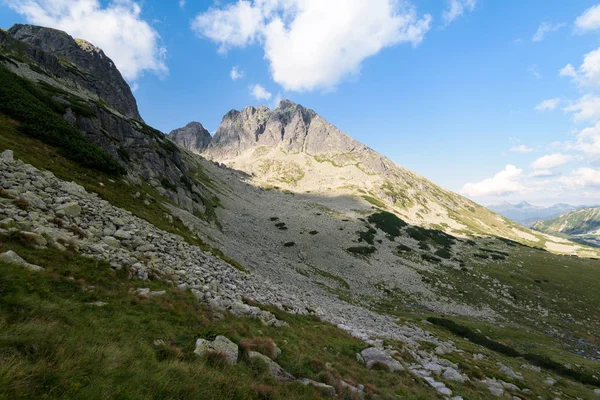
{"x": 372, "y": 356}
{"x": 221, "y": 345}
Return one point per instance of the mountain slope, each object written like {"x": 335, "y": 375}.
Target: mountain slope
{"x": 581, "y": 225}
{"x": 526, "y": 214}
{"x": 331, "y": 240}
{"x": 293, "y": 148}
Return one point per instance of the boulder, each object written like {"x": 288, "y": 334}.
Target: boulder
{"x": 10, "y": 257}
{"x": 453, "y": 375}
{"x": 222, "y": 345}
{"x": 373, "y": 355}
{"x": 7, "y": 155}
{"x": 275, "y": 369}
{"x": 70, "y": 210}
{"x": 327, "y": 390}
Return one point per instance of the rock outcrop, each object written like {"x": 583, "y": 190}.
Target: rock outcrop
{"x": 93, "y": 69}
{"x": 192, "y": 137}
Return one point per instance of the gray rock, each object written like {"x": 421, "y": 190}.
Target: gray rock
{"x": 192, "y": 137}
{"x": 123, "y": 235}
{"x": 453, "y": 375}
{"x": 275, "y": 369}
{"x": 327, "y": 390}
{"x": 373, "y": 355}
{"x": 7, "y": 155}
{"x": 550, "y": 381}
{"x": 10, "y": 257}
{"x": 496, "y": 391}
{"x": 35, "y": 238}
{"x": 70, "y": 210}
{"x": 508, "y": 371}
{"x": 222, "y": 345}
{"x": 597, "y": 392}
{"x": 445, "y": 391}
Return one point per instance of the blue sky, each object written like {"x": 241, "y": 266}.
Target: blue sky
{"x": 468, "y": 93}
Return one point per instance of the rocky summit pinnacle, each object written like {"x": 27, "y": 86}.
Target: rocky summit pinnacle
{"x": 79, "y": 61}
{"x": 193, "y": 137}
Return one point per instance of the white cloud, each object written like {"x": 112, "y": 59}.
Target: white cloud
{"x": 588, "y": 140}
{"x": 276, "y": 100}
{"x": 551, "y": 161}
{"x": 541, "y": 173}
{"x": 545, "y": 28}
{"x": 259, "y": 92}
{"x": 548, "y": 105}
{"x": 236, "y": 74}
{"x": 582, "y": 177}
{"x": 586, "y": 108}
{"x": 521, "y": 149}
{"x": 312, "y": 44}
{"x": 503, "y": 183}
{"x": 182, "y": 3}
{"x": 456, "y": 8}
{"x": 533, "y": 69}
{"x": 588, "y": 74}
{"x": 568, "y": 71}
{"x": 589, "y": 20}
{"x": 117, "y": 28}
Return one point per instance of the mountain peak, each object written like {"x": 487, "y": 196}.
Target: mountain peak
{"x": 193, "y": 137}
{"x": 61, "y": 54}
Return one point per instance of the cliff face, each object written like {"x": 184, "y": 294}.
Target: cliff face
{"x": 93, "y": 69}
{"x": 101, "y": 106}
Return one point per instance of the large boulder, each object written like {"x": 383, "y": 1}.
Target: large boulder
{"x": 327, "y": 390}
{"x": 275, "y": 369}
{"x": 221, "y": 345}
{"x": 10, "y": 257}
{"x": 373, "y": 356}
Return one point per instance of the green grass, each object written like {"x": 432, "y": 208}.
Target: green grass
{"x": 40, "y": 117}
{"x": 374, "y": 201}
{"x": 54, "y": 344}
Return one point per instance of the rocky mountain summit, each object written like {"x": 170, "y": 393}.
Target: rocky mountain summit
{"x": 191, "y": 137}
{"x": 80, "y": 81}
{"x": 84, "y": 65}
{"x": 581, "y": 225}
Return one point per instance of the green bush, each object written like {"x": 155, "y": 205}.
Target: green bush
{"x": 39, "y": 116}
{"x": 387, "y": 222}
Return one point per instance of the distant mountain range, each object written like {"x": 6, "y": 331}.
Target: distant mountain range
{"x": 526, "y": 214}
{"x": 581, "y": 225}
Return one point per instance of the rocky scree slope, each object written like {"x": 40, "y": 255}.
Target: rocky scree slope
{"x": 44, "y": 211}
{"x": 83, "y": 85}
{"x": 293, "y": 148}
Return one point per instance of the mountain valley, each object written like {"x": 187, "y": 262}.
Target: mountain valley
{"x": 277, "y": 225}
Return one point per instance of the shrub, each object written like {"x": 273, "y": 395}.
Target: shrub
{"x": 444, "y": 253}
{"x": 430, "y": 258}
{"x": 289, "y": 244}
{"x": 313, "y": 232}
{"x": 387, "y": 222}
{"x": 260, "y": 344}
{"x": 362, "y": 250}
{"x": 21, "y": 203}
{"x": 403, "y": 249}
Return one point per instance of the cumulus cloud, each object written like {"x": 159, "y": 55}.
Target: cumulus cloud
{"x": 456, "y": 8}
{"x": 548, "y": 105}
{"x": 541, "y": 173}
{"x": 588, "y": 74}
{"x": 259, "y": 92}
{"x": 521, "y": 149}
{"x": 588, "y": 140}
{"x": 236, "y": 74}
{"x": 117, "y": 28}
{"x": 589, "y": 20}
{"x": 582, "y": 177}
{"x": 545, "y": 28}
{"x": 587, "y": 108}
{"x": 312, "y": 44}
{"x": 503, "y": 183}
{"x": 551, "y": 161}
